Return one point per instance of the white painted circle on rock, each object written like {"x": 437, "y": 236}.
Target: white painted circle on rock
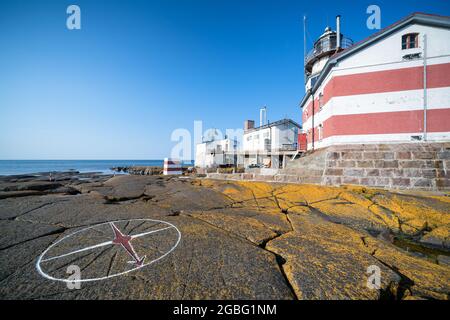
{"x": 109, "y": 249}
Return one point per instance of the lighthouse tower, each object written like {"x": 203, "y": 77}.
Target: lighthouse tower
{"x": 326, "y": 46}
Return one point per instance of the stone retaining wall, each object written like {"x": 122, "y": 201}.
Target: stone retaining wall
{"x": 401, "y": 166}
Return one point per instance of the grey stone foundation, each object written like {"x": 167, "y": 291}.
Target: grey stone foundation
{"x": 394, "y": 166}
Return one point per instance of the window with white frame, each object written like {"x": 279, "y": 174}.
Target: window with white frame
{"x": 320, "y": 101}
{"x": 320, "y": 132}
{"x": 410, "y": 41}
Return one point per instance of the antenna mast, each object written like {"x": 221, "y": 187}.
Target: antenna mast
{"x": 304, "y": 47}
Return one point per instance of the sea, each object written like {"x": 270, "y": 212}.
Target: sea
{"x": 13, "y": 167}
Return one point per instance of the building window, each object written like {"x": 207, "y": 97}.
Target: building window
{"x": 410, "y": 41}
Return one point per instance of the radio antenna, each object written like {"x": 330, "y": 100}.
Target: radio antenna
{"x": 304, "y": 46}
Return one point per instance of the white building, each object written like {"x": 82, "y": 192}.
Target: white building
{"x": 269, "y": 144}
{"x": 214, "y": 153}
{"x": 389, "y": 88}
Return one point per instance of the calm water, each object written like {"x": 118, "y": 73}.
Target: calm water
{"x": 8, "y": 167}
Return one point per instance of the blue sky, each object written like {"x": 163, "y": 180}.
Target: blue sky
{"x": 137, "y": 70}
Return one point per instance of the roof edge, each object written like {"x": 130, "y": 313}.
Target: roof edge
{"x": 271, "y": 124}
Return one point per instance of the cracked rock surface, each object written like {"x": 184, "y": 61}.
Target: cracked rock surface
{"x": 239, "y": 240}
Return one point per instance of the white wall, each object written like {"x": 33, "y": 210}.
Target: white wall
{"x": 254, "y": 141}
{"x": 389, "y": 50}
{"x": 286, "y": 135}
{"x": 376, "y": 138}
{"x": 318, "y": 65}
{"x": 204, "y": 154}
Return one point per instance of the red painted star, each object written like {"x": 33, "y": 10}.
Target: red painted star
{"x": 125, "y": 242}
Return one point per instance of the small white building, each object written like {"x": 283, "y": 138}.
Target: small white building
{"x": 214, "y": 153}
{"x": 269, "y": 144}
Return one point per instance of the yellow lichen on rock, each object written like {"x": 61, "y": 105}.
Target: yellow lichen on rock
{"x": 442, "y": 198}
{"x": 374, "y": 208}
{"x": 351, "y": 214}
{"x": 390, "y": 219}
{"x": 439, "y": 236}
{"x": 305, "y": 193}
{"x": 301, "y": 210}
{"x": 421, "y": 277}
{"x": 241, "y": 226}
{"x": 356, "y": 198}
{"x": 329, "y": 236}
{"x": 414, "y": 211}
{"x": 325, "y": 260}
{"x": 257, "y": 189}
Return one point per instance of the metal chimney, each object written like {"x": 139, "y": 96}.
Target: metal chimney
{"x": 338, "y": 32}
{"x": 262, "y": 116}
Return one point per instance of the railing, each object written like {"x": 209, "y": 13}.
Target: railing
{"x": 288, "y": 147}
{"x": 325, "y": 45}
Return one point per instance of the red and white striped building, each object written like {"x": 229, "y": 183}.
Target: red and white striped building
{"x": 172, "y": 167}
{"x": 393, "y": 87}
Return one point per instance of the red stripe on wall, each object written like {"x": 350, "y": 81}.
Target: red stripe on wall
{"x": 387, "y": 123}
{"x": 308, "y": 114}
{"x": 438, "y": 76}
{"x": 383, "y": 81}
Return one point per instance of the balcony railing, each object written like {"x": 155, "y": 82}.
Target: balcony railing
{"x": 288, "y": 147}
{"x": 325, "y": 45}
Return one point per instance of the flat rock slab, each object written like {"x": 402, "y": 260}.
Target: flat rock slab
{"x": 247, "y": 227}
{"x": 29, "y": 185}
{"x": 329, "y": 263}
{"x": 16, "y": 232}
{"x": 185, "y": 195}
{"x": 239, "y": 240}
{"x": 207, "y": 264}
{"x": 84, "y": 209}
{"x": 15, "y": 194}
{"x": 351, "y": 214}
{"x": 420, "y": 277}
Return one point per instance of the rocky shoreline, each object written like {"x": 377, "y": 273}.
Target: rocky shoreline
{"x": 239, "y": 240}
{"x": 42, "y": 183}
{"x": 139, "y": 170}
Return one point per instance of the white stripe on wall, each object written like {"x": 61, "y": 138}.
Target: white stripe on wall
{"x": 378, "y": 138}
{"x": 438, "y": 98}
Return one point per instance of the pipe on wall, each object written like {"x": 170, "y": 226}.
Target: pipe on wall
{"x": 312, "y": 118}
{"x": 425, "y": 102}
